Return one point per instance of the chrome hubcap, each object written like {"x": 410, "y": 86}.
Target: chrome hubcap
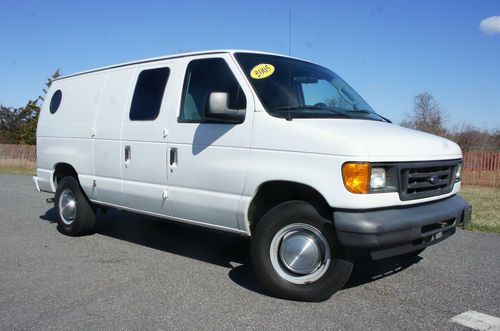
{"x": 300, "y": 253}
{"x": 67, "y": 207}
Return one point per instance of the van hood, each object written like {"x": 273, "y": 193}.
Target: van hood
{"x": 373, "y": 140}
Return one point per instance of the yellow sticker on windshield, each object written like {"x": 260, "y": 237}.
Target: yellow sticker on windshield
{"x": 262, "y": 70}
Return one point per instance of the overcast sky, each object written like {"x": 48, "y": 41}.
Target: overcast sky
{"x": 389, "y": 51}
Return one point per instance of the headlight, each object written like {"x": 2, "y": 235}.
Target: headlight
{"x": 377, "y": 178}
{"x": 458, "y": 174}
{"x": 356, "y": 176}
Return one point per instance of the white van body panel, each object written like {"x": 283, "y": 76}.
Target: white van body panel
{"x": 144, "y": 177}
{"x": 380, "y": 141}
{"x": 66, "y": 138}
{"x": 220, "y": 167}
{"x": 107, "y": 134}
{"x": 208, "y": 181}
{"x": 372, "y": 140}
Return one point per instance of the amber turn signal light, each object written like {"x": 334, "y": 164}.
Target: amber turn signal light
{"x": 356, "y": 176}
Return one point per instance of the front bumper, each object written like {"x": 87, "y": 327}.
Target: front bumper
{"x": 395, "y": 231}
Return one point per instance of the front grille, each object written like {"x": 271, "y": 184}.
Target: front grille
{"x": 426, "y": 179}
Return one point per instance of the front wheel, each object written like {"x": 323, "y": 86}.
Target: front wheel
{"x": 294, "y": 254}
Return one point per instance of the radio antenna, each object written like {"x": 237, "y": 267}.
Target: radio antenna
{"x": 289, "y": 117}
{"x": 289, "y": 32}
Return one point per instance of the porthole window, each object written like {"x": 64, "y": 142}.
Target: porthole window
{"x": 55, "y": 101}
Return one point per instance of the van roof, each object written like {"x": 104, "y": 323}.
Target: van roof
{"x": 173, "y": 56}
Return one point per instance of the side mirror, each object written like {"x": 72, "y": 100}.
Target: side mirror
{"x": 218, "y": 110}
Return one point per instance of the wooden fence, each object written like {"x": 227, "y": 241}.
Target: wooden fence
{"x": 17, "y": 156}
{"x": 481, "y": 168}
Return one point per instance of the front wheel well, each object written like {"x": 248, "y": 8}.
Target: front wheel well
{"x": 62, "y": 170}
{"x": 271, "y": 194}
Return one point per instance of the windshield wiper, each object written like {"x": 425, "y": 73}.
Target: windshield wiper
{"x": 363, "y": 111}
{"x": 293, "y": 110}
{"x": 309, "y": 107}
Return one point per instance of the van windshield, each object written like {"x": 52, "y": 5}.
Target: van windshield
{"x": 292, "y": 88}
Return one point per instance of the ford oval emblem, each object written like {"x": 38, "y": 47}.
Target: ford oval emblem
{"x": 433, "y": 180}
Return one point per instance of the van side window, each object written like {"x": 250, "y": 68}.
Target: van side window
{"x": 55, "y": 101}
{"x": 148, "y": 94}
{"x": 203, "y": 77}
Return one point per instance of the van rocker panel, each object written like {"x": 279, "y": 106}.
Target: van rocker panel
{"x": 410, "y": 228}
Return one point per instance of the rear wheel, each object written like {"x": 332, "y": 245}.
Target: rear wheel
{"x": 74, "y": 212}
{"x": 294, "y": 254}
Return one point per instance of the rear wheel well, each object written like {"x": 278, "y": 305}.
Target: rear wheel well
{"x": 62, "y": 170}
{"x": 273, "y": 193}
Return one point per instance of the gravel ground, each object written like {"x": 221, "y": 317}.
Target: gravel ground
{"x": 143, "y": 273}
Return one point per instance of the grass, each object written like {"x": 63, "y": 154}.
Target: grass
{"x": 485, "y": 207}
{"x": 18, "y": 170}
{"x": 17, "y": 166}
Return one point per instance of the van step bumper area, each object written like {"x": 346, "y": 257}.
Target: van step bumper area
{"x": 396, "y": 231}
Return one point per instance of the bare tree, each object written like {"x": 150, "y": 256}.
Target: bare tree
{"x": 471, "y": 138}
{"x": 426, "y": 116}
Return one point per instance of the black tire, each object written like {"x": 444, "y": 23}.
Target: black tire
{"x": 292, "y": 214}
{"x": 82, "y": 221}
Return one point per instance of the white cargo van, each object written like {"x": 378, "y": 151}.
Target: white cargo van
{"x": 271, "y": 147}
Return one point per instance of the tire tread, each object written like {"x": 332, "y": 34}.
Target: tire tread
{"x": 282, "y": 215}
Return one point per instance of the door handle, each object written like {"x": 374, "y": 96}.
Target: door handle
{"x": 128, "y": 154}
{"x": 173, "y": 157}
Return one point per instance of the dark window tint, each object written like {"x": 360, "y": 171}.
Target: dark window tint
{"x": 203, "y": 77}
{"x": 55, "y": 101}
{"x": 148, "y": 94}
